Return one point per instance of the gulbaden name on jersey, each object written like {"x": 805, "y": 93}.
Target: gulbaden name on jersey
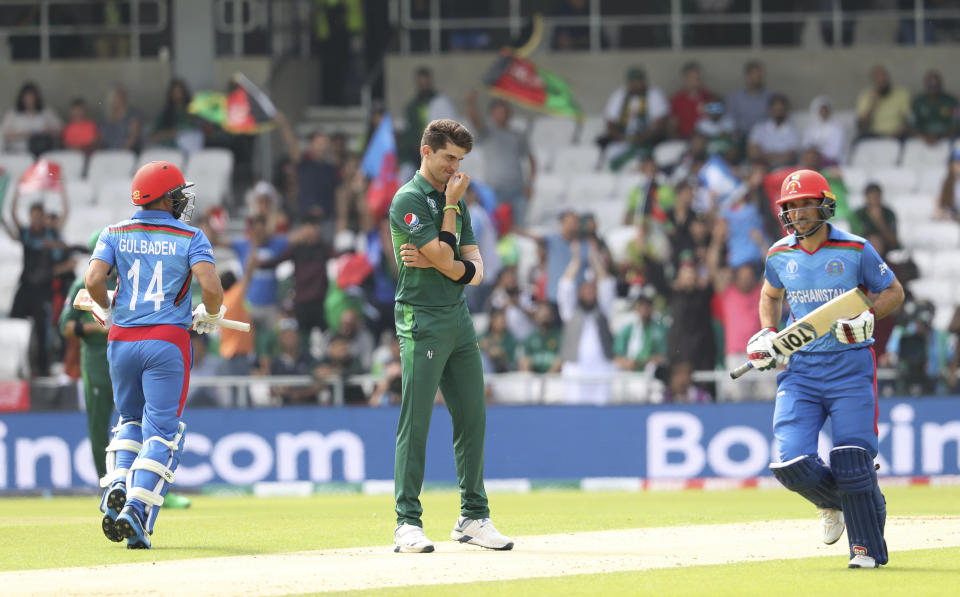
{"x": 147, "y": 247}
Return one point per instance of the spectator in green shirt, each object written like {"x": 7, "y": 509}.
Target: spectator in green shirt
{"x": 875, "y": 218}
{"x": 498, "y": 345}
{"x": 540, "y": 351}
{"x": 934, "y": 110}
{"x": 643, "y": 343}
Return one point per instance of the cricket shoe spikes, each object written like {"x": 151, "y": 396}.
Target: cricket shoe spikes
{"x": 409, "y": 538}
{"x": 832, "y": 521}
{"x": 480, "y": 532}
{"x": 130, "y": 526}
{"x": 859, "y": 561}
{"x": 113, "y": 499}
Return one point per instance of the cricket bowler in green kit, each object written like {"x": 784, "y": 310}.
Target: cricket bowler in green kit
{"x": 437, "y": 255}
{"x": 95, "y": 371}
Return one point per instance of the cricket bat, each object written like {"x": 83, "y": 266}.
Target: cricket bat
{"x": 814, "y": 325}
{"x": 84, "y": 302}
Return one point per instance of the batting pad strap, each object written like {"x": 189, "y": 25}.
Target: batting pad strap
{"x": 114, "y": 475}
{"x": 146, "y": 496}
{"x": 145, "y": 464}
{"x": 124, "y": 444}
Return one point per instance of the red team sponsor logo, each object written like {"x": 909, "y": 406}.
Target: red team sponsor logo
{"x": 411, "y": 220}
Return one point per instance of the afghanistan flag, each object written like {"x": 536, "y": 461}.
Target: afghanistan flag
{"x": 520, "y": 80}
{"x": 245, "y": 110}
{"x": 380, "y": 165}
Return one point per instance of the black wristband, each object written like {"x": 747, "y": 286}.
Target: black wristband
{"x": 449, "y": 238}
{"x": 78, "y": 330}
{"x": 469, "y": 271}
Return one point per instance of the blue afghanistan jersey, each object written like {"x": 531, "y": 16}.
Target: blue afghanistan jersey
{"x": 845, "y": 261}
{"x": 153, "y": 253}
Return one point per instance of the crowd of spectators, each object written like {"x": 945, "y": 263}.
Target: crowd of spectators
{"x": 314, "y": 268}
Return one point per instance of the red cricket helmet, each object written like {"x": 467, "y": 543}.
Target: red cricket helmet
{"x": 157, "y": 180}
{"x": 804, "y": 184}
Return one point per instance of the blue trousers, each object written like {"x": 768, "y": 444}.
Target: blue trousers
{"x": 150, "y": 371}
{"x": 841, "y": 384}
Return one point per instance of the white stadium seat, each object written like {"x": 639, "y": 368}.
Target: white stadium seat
{"x": 576, "y": 158}
{"x": 71, "y": 162}
{"x": 593, "y": 127}
{"x": 211, "y": 170}
{"x": 14, "y": 344}
{"x": 618, "y": 240}
{"x": 931, "y": 234}
{"x": 925, "y": 261}
{"x": 608, "y": 213}
{"x": 110, "y": 163}
{"x": 918, "y": 154}
{"x": 79, "y": 193}
{"x": 553, "y": 132}
{"x": 911, "y": 208}
{"x": 15, "y": 164}
{"x": 930, "y": 180}
{"x": 668, "y": 153}
{"x": 588, "y": 187}
{"x": 113, "y": 192}
{"x": 875, "y": 154}
{"x": 943, "y": 315}
{"x": 946, "y": 264}
{"x": 526, "y": 258}
{"x": 894, "y": 181}
{"x": 474, "y": 164}
{"x": 936, "y": 290}
{"x": 161, "y": 154}
{"x": 855, "y": 179}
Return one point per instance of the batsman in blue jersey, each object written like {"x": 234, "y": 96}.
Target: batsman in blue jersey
{"x": 148, "y": 344}
{"x": 833, "y": 376}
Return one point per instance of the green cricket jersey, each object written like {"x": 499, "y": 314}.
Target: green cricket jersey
{"x": 416, "y": 216}
{"x": 93, "y": 347}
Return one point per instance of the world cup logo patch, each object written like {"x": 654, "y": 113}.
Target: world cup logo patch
{"x": 411, "y": 219}
{"x": 835, "y": 267}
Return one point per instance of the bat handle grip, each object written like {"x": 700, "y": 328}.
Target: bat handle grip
{"x": 240, "y": 326}
{"x": 736, "y": 373}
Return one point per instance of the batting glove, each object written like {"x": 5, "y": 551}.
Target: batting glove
{"x": 203, "y": 322}
{"x": 760, "y": 350}
{"x": 858, "y": 329}
{"x": 103, "y": 316}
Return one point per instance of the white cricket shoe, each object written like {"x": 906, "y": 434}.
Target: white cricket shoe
{"x": 859, "y": 561}
{"x": 832, "y": 521}
{"x": 409, "y": 538}
{"x": 480, "y": 532}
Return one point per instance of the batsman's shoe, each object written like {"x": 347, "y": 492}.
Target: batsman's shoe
{"x": 131, "y": 528}
{"x": 859, "y": 561}
{"x": 113, "y": 499}
{"x": 480, "y": 532}
{"x": 176, "y": 501}
{"x": 409, "y": 538}
{"x": 832, "y": 521}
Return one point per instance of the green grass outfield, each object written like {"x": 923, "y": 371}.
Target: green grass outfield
{"x": 65, "y": 531}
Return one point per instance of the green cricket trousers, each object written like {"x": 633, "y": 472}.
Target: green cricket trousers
{"x": 438, "y": 348}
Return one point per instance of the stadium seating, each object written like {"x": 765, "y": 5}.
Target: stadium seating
{"x": 161, "y": 154}
{"x": 930, "y": 234}
{"x": 109, "y": 164}
{"x": 212, "y": 170}
{"x": 577, "y": 158}
{"x": 79, "y": 193}
{"x": 668, "y": 153}
{"x": 14, "y": 345}
{"x": 918, "y": 154}
{"x": 875, "y": 154}
{"x": 71, "y": 162}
